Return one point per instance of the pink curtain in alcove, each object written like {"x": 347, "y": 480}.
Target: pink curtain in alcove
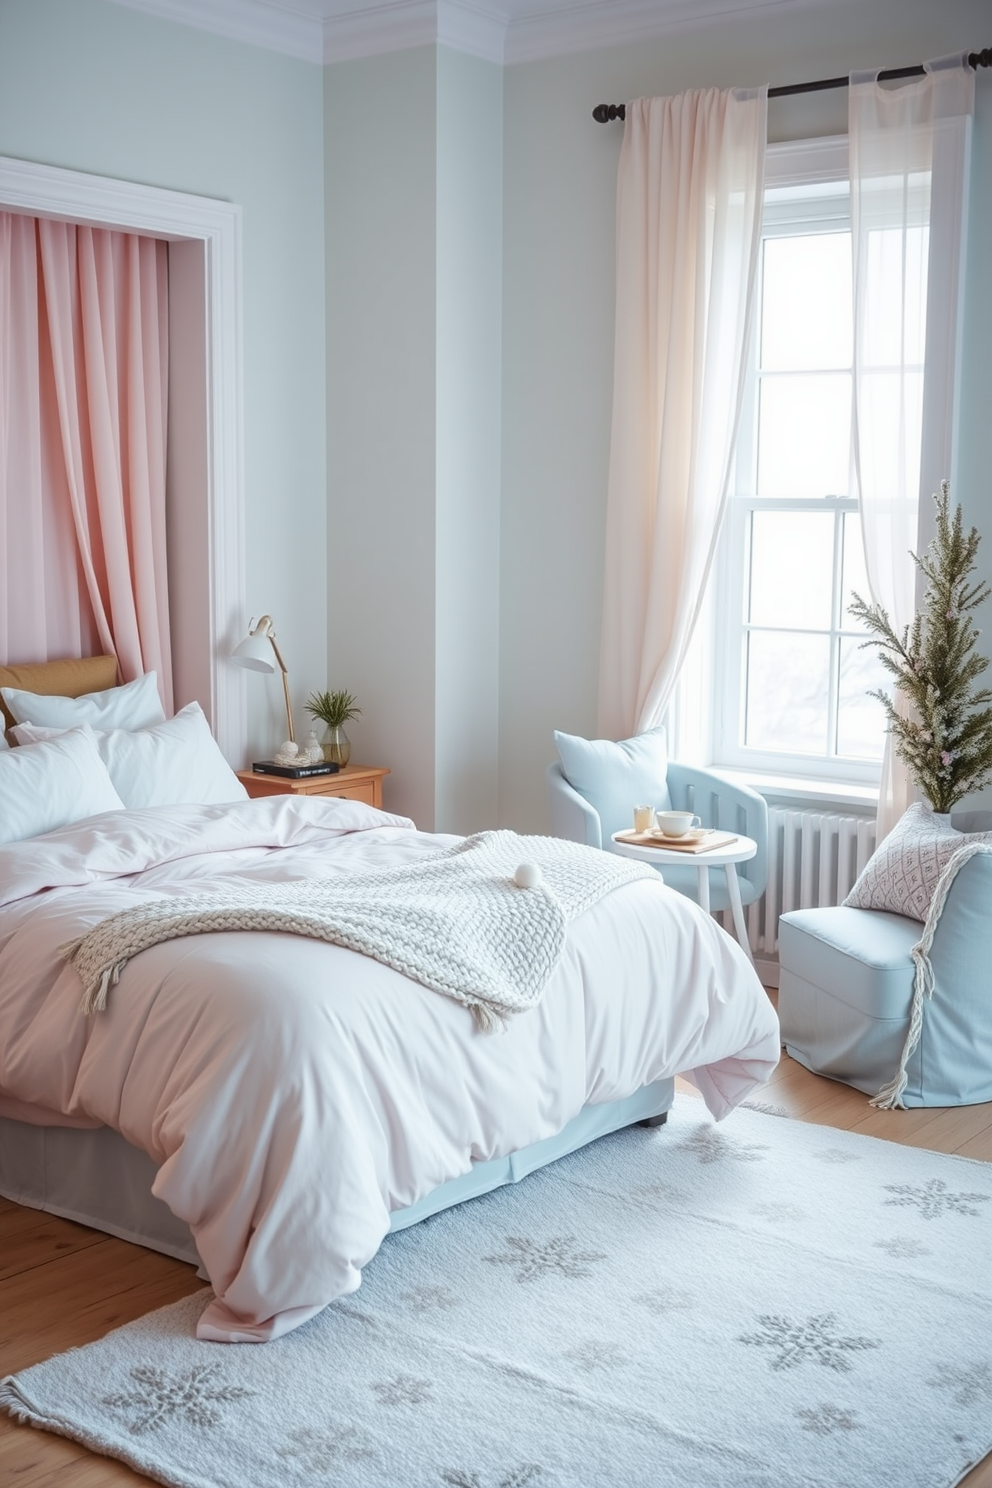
{"x": 83, "y": 403}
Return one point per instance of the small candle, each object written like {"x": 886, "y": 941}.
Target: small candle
{"x": 643, "y": 818}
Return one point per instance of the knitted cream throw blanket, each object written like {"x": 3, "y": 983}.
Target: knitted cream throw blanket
{"x": 458, "y": 922}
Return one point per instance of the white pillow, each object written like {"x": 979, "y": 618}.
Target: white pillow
{"x": 175, "y": 763}
{"x": 50, "y": 785}
{"x": 902, "y": 874}
{"x": 135, "y": 705}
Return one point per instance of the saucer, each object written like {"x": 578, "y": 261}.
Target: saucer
{"x": 695, "y": 834}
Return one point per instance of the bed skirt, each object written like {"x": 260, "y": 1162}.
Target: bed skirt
{"x": 95, "y": 1177}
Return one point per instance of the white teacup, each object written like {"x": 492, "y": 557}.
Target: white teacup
{"x": 676, "y": 823}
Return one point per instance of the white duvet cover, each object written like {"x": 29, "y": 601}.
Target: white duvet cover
{"x": 293, "y": 1092}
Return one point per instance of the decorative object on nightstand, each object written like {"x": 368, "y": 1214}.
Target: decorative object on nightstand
{"x": 334, "y": 709}
{"x": 313, "y": 749}
{"x": 255, "y": 653}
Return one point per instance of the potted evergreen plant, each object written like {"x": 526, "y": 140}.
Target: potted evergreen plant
{"x": 947, "y": 742}
{"x": 334, "y": 709}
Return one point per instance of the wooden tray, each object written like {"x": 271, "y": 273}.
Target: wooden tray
{"x": 699, "y": 841}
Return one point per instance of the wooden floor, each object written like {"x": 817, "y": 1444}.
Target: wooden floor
{"x": 62, "y": 1285}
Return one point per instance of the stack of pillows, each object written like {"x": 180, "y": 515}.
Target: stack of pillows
{"x": 103, "y": 752}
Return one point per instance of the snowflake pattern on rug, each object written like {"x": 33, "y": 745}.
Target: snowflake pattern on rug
{"x": 837, "y": 1155}
{"x": 193, "y": 1395}
{"x": 322, "y": 1451}
{"x": 970, "y": 1385}
{"x": 516, "y": 1477}
{"x": 555, "y": 1257}
{"x": 774, "y": 1212}
{"x": 429, "y": 1299}
{"x": 903, "y": 1248}
{"x": 403, "y": 1389}
{"x": 650, "y": 1196}
{"x": 665, "y": 1299}
{"x": 935, "y": 1199}
{"x": 596, "y": 1353}
{"x": 711, "y": 1146}
{"x": 824, "y": 1420}
{"x": 812, "y": 1340}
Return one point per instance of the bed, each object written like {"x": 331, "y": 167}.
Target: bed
{"x": 271, "y": 1105}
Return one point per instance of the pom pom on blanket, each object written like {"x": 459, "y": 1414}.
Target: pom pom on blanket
{"x": 528, "y": 876}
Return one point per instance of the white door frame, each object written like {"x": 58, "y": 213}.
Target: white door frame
{"x": 212, "y": 622}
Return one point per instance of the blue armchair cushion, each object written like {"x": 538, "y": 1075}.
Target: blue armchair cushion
{"x": 614, "y": 777}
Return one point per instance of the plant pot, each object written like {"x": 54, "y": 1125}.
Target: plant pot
{"x": 336, "y": 745}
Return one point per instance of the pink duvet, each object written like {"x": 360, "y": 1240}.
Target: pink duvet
{"x": 295, "y": 1093}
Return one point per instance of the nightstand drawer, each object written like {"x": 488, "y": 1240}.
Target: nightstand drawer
{"x": 353, "y": 783}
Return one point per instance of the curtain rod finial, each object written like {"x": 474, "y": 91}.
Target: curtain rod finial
{"x": 605, "y": 113}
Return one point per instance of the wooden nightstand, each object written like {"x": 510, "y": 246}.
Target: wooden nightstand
{"x": 353, "y": 783}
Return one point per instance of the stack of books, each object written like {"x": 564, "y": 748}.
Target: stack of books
{"x": 295, "y": 772}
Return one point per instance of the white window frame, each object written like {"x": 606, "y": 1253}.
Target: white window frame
{"x": 818, "y": 170}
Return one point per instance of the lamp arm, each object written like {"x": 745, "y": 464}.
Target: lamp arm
{"x": 264, "y": 627}
{"x": 285, "y": 688}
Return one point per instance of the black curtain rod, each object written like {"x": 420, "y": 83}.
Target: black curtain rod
{"x": 605, "y": 113}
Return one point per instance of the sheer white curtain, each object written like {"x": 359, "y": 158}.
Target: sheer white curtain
{"x": 909, "y": 162}
{"x": 689, "y": 201}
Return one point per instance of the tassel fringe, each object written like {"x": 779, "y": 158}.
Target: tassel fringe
{"x": 889, "y": 1098}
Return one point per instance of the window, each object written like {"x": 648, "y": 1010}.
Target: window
{"x": 791, "y": 679}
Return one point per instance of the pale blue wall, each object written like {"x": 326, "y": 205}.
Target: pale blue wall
{"x": 469, "y": 427}
{"x": 94, "y": 87}
{"x": 560, "y": 182}
{"x": 381, "y": 212}
{"x": 413, "y": 150}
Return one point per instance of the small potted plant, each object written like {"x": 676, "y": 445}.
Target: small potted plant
{"x": 334, "y": 709}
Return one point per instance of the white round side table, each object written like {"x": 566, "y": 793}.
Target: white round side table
{"x": 727, "y": 857}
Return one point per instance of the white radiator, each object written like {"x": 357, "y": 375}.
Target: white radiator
{"x": 814, "y": 858}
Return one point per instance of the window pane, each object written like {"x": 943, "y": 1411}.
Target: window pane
{"x": 804, "y": 435}
{"x": 806, "y": 302}
{"x": 860, "y": 719}
{"x": 891, "y": 417}
{"x": 854, "y": 576}
{"x": 791, "y": 581}
{"x": 896, "y": 296}
{"x": 786, "y": 698}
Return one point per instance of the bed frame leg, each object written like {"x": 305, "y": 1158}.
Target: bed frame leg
{"x": 654, "y": 1120}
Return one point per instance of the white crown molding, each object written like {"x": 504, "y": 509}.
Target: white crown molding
{"x": 258, "y": 22}
{"x": 472, "y": 29}
{"x": 371, "y": 32}
{"x": 101, "y": 201}
{"x": 498, "y": 30}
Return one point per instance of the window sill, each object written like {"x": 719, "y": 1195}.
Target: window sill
{"x": 862, "y": 798}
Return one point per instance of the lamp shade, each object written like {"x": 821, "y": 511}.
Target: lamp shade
{"x": 255, "y": 652}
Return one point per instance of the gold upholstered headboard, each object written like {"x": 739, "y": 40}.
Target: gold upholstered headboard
{"x": 71, "y": 678}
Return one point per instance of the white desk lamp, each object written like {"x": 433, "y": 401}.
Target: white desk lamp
{"x": 254, "y": 653}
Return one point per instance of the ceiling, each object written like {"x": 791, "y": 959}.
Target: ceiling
{"x": 498, "y": 30}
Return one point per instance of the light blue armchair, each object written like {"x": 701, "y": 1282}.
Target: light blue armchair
{"x": 849, "y": 981}
{"x": 604, "y": 782}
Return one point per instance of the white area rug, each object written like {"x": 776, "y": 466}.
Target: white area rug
{"x": 759, "y": 1303}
